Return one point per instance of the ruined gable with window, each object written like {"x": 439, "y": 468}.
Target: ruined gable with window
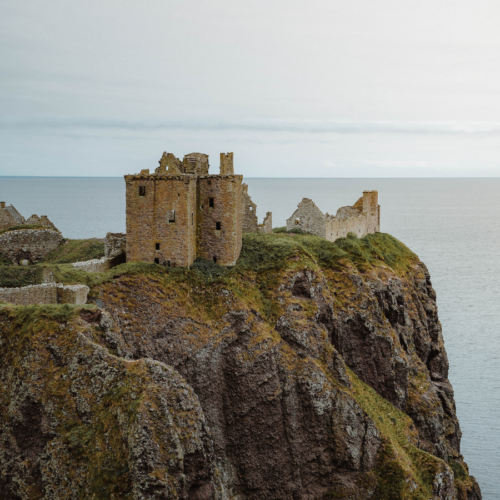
{"x": 361, "y": 219}
{"x": 181, "y": 212}
{"x": 250, "y": 221}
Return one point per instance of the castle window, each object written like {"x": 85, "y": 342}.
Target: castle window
{"x": 142, "y": 190}
{"x": 215, "y": 259}
{"x": 171, "y": 216}
{"x": 211, "y": 202}
{"x": 209, "y": 182}
{"x": 192, "y": 218}
{"x": 217, "y": 226}
{"x": 157, "y": 261}
{"x": 157, "y": 246}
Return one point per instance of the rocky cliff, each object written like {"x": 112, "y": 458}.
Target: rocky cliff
{"x": 311, "y": 370}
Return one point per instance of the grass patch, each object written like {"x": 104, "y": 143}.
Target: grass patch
{"x": 208, "y": 270}
{"x": 401, "y": 463}
{"x": 262, "y": 252}
{"x": 295, "y": 230}
{"x": 70, "y": 251}
{"x": 11, "y": 276}
{"x": 4, "y": 261}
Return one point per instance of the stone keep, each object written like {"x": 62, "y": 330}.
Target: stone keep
{"x": 181, "y": 212}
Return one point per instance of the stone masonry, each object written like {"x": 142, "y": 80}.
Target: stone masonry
{"x": 114, "y": 245}
{"x": 250, "y": 222}
{"x": 29, "y": 244}
{"x": 361, "y": 219}
{"x": 181, "y": 212}
{"x": 10, "y": 217}
{"x": 48, "y": 293}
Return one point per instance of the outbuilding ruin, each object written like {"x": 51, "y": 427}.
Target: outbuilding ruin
{"x": 362, "y": 218}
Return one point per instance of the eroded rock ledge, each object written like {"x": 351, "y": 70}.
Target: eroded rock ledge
{"x": 294, "y": 382}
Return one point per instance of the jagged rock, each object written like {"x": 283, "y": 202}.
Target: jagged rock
{"x": 305, "y": 383}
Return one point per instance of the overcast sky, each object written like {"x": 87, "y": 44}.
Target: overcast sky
{"x": 313, "y": 88}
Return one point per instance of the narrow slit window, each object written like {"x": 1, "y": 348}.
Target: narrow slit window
{"x": 211, "y": 202}
{"x": 157, "y": 261}
{"x": 215, "y": 259}
{"x": 171, "y": 216}
{"x": 142, "y": 190}
{"x": 192, "y": 218}
{"x": 157, "y": 246}
{"x": 217, "y": 226}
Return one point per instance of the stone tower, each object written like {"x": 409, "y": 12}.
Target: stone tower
{"x": 182, "y": 212}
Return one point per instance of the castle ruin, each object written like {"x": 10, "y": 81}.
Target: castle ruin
{"x": 361, "y": 219}
{"x": 181, "y": 212}
{"x": 10, "y": 217}
{"x": 20, "y": 241}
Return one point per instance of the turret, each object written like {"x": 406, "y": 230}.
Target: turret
{"x": 226, "y": 164}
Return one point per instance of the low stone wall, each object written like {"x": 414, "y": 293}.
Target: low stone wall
{"x": 94, "y": 265}
{"x": 30, "y": 244}
{"x": 48, "y": 293}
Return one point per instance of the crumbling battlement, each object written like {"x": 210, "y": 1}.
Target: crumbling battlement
{"x": 181, "y": 212}
{"x": 361, "y": 219}
{"x": 250, "y": 222}
{"x": 10, "y": 217}
{"x": 48, "y": 293}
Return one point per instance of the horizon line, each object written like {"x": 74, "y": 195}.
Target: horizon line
{"x": 247, "y": 177}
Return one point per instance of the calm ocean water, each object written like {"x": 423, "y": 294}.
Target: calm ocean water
{"x": 452, "y": 224}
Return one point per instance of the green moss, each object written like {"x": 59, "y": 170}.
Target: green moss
{"x": 458, "y": 469}
{"x": 4, "y": 260}
{"x": 11, "y": 276}
{"x": 403, "y": 470}
{"x": 70, "y": 251}
{"x": 270, "y": 251}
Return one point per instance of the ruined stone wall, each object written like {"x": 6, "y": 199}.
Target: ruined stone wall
{"x": 309, "y": 218}
{"x": 6, "y": 218}
{"x": 30, "y": 244}
{"x": 220, "y": 245}
{"x": 196, "y": 164}
{"x": 226, "y": 164}
{"x": 361, "y": 219}
{"x": 40, "y": 221}
{"x": 48, "y": 293}
{"x": 340, "y": 228}
{"x": 267, "y": 224}
{"x": 161, "y": 224}
{"x": 115, "y": 244}
{"x": 250, "y": 223}
{"x": 94, "y": 265}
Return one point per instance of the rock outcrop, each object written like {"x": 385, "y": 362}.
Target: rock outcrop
{"x": 297, "y": 381}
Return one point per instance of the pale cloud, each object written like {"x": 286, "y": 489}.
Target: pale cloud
{"x": 379, "y": 88}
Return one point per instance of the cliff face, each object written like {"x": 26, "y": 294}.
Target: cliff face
{"x": 289, "y": 380}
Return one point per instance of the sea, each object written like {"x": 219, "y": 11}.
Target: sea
{"x": 453, "y": 224}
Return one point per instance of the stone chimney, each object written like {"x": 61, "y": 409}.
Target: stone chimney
{"x": 2, "y": 204}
